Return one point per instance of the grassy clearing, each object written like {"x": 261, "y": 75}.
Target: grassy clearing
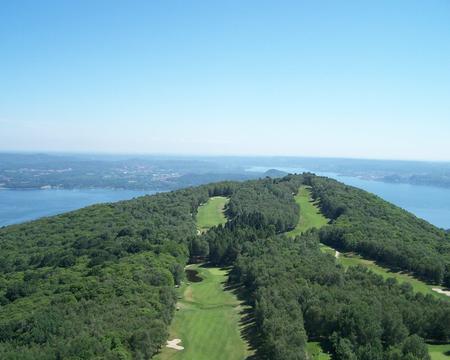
{"x": 208, "y": 321}
{"x": 211, "y": 213}
{"x": 349, "y": 259}
{"x": 439, "y": 352}
{"x": 208, "y": 317}
{"x": 310, "y": 215}
{"x": 328, "y": 250}
{"x": 315, "y": 351}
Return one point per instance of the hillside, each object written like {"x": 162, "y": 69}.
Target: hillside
{"x": 370, "y": 226}
{"x": 100, "y": 282}
{"x": 207, "y": 321}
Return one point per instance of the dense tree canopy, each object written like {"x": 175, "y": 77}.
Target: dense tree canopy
{"x": 356, "y": 313}
{"x": 368, "y": 225}
{"x": 99, "y": 282}
{"x": 266, "y": 203}
{"x": 299, "y": 293}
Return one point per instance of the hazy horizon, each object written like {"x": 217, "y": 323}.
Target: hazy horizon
{"x": 204, "y": 155}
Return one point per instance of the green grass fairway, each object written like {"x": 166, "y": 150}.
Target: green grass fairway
{"x": 310, "y": 215}
{"x": 211, "y": 214}
{"x": 418, "y": 285}
{"x": 439, "y": 352}
{"x": 316, "y": 352}
{"x": 327, "y": 250}
{"x": 208, "y": 321}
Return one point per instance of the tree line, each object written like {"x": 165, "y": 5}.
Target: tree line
{"x": 378, "y": 230}
{"x": 299, "y": 293}
{"x": 97, "y": 282}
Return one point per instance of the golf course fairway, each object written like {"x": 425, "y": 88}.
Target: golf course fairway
{"x": 211, "y": 213}
{"x": 439, "y": 352}
{"x": 310, "y": 215}
{"x": 207, "y": 322}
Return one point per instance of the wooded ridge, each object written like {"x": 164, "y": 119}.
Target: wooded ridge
{"x": 100, "y": 282}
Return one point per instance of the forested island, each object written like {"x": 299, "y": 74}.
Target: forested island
{"x": 103, "y": 281}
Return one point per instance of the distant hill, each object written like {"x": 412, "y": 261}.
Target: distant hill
{"x": 275, "y": 173}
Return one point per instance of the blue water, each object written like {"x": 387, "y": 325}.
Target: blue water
{"x": 427, "y": 202}
{"x": 17, "y": 206}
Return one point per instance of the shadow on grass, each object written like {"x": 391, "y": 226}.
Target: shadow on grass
{"x": 325, "y": 347}
{"x": 247, "y": 323}
{"x": 208, "y": 265}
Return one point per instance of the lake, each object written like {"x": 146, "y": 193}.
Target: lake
{"x": 427, "y": 202}
{"x": 17, "y": 206}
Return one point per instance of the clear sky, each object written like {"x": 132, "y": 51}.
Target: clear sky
{"x": 308, "y": 78}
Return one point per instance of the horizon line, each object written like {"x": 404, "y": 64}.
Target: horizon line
{"x": 168, "y": 154}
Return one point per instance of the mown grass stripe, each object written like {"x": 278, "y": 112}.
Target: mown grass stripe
{"x": 211, "y": 213}
{"x": 209, "y": 326}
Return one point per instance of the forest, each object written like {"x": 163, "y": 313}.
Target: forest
{"x": 95, "y": 282}
{"x": 100, "y": 282}
{"x": 299, "y": 294}
{"x": 378, "y": 230}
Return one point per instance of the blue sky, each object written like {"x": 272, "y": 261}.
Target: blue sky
{"x": 309, "y": 78}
